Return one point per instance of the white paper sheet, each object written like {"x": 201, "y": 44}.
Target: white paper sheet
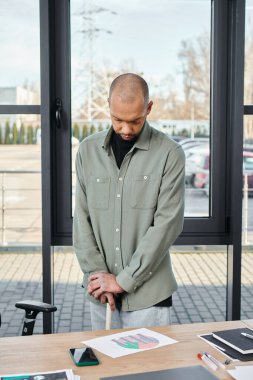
{"x": 242, "y": 372}
{"x": 129, "y": 342}
{"x": 64, "y": 374}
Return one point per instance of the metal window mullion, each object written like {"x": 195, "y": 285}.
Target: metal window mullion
{"x": 47, "y": 98}
{"x": 235, "y": 149}
{"x": 248, "y": 109}
{"x": 19, "y": 109}
{"x": 215, "y": 226}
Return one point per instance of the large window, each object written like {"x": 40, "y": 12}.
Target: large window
{"x": 247, "y": 227}
{"x": 247, "y": 204}
{"x": 20, "y": 161}
{"x": 172, "y": 52}
{"x": 183, "y": 59}
{"x": 190, "y": 52}
{"x": 20, "y": 129}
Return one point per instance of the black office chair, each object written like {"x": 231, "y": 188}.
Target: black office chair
{"x": 32, "y": 309}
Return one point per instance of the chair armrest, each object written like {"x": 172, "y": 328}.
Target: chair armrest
{"x": 29, "y": 306}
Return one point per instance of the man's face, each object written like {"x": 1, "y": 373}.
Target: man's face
{"x": 128, "y": 118}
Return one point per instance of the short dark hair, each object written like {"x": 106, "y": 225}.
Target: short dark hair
{"x": 134, "y": 81}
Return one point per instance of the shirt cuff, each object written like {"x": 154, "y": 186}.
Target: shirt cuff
{"x": 127, "y": 282}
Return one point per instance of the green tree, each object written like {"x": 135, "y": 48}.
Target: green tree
{"x": 92, "y": 130}
{"x": 174, "y": 129}
{"x": 22, "y": 134}
{"x": 29, "y": 135}
{"x": 7, "y": 133}
{"x": 76, "y": 131}
{"x": 15, "y": 134}
{"x": 184, "y": 132}
{"x": 85, "y": 132}
{"x": 36, "y": 134}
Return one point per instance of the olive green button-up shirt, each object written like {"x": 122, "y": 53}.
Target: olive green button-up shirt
{"x": 126, "y": 219}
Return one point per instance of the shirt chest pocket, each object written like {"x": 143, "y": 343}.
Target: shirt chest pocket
{"x": 144, "y": 191}
{"x": 99, "y": 192}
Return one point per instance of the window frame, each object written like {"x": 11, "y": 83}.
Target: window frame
{"x": 197, "y": 230}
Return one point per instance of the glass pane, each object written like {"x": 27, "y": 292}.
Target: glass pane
{"x": 20, "y": 180}
{"x": 248, "y": 74}
{"x": 73, "y": 312}
{"x": 20, "y": 220}
{"x": 247, "y": 205}
{"x": 201, "y": 274}
{"x": 20, "y": 52}
{"x": 247, "y": 228}
{"x": 200, "y": 297}
{"x": 168, "y": 43}
{"x": 20, "y": 279}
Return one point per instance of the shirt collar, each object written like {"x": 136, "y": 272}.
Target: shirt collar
{"x": 142, "y": 142}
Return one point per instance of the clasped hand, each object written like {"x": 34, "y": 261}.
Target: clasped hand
{"x": 103, "y": 286}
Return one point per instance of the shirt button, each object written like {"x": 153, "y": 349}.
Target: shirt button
{"x": 118, "y": 195}
{"x": 145, "y": 177}
{"x": 116, "y": 265}
{"x": 135, "y": 288}
{"x": 117, "y": 229}
{"x": 117, "y": 248}
{"x": 98, "y": 180}
{"x": 150, "y": 273}
{"x": 120, "y": 179}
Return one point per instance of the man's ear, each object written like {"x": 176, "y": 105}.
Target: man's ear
{"x": 149, "y": 108}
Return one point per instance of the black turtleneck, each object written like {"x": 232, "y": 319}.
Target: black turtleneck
{"x": 120, "y": 148}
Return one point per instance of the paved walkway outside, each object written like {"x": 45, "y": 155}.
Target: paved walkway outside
{"x": 201, "y": 295}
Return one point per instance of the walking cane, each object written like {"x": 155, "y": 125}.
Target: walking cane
{"x": 108, "y": 320}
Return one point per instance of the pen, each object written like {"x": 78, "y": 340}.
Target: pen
{"x": 216, "y": 361}
{"x": 219, "y": 348}
{"x": 208, "y": 361}
{"x": 247, "y": 335}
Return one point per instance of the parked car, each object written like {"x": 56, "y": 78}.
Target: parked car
{"x": 197, "y": 161}
{"x": 248, "y": 170}
{"x": 200, "y": 172}
{"x": 189, "y": 143}
{"x": 248, "y": 147}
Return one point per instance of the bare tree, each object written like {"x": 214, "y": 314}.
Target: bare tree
{"x": 195, "y": 59}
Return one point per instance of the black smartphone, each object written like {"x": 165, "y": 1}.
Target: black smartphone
{"x": 83, "y": 356}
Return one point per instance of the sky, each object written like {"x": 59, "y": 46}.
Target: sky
{"x": 141, "y": 36}
{"x": 19, "y": 42}
{"x": 147, "y": 33}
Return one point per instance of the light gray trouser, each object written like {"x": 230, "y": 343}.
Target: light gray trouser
{"x": 151, "y": 316}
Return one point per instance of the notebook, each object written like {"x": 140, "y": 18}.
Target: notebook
{"x": 189, "y": 373}
{"x": 236, "y": 340}
{"x": 226, "y": 350}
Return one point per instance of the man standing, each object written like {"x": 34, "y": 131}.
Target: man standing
{"x": 129, "y": 210}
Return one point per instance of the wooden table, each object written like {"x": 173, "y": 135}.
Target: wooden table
{"x": 50, "y": 352}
